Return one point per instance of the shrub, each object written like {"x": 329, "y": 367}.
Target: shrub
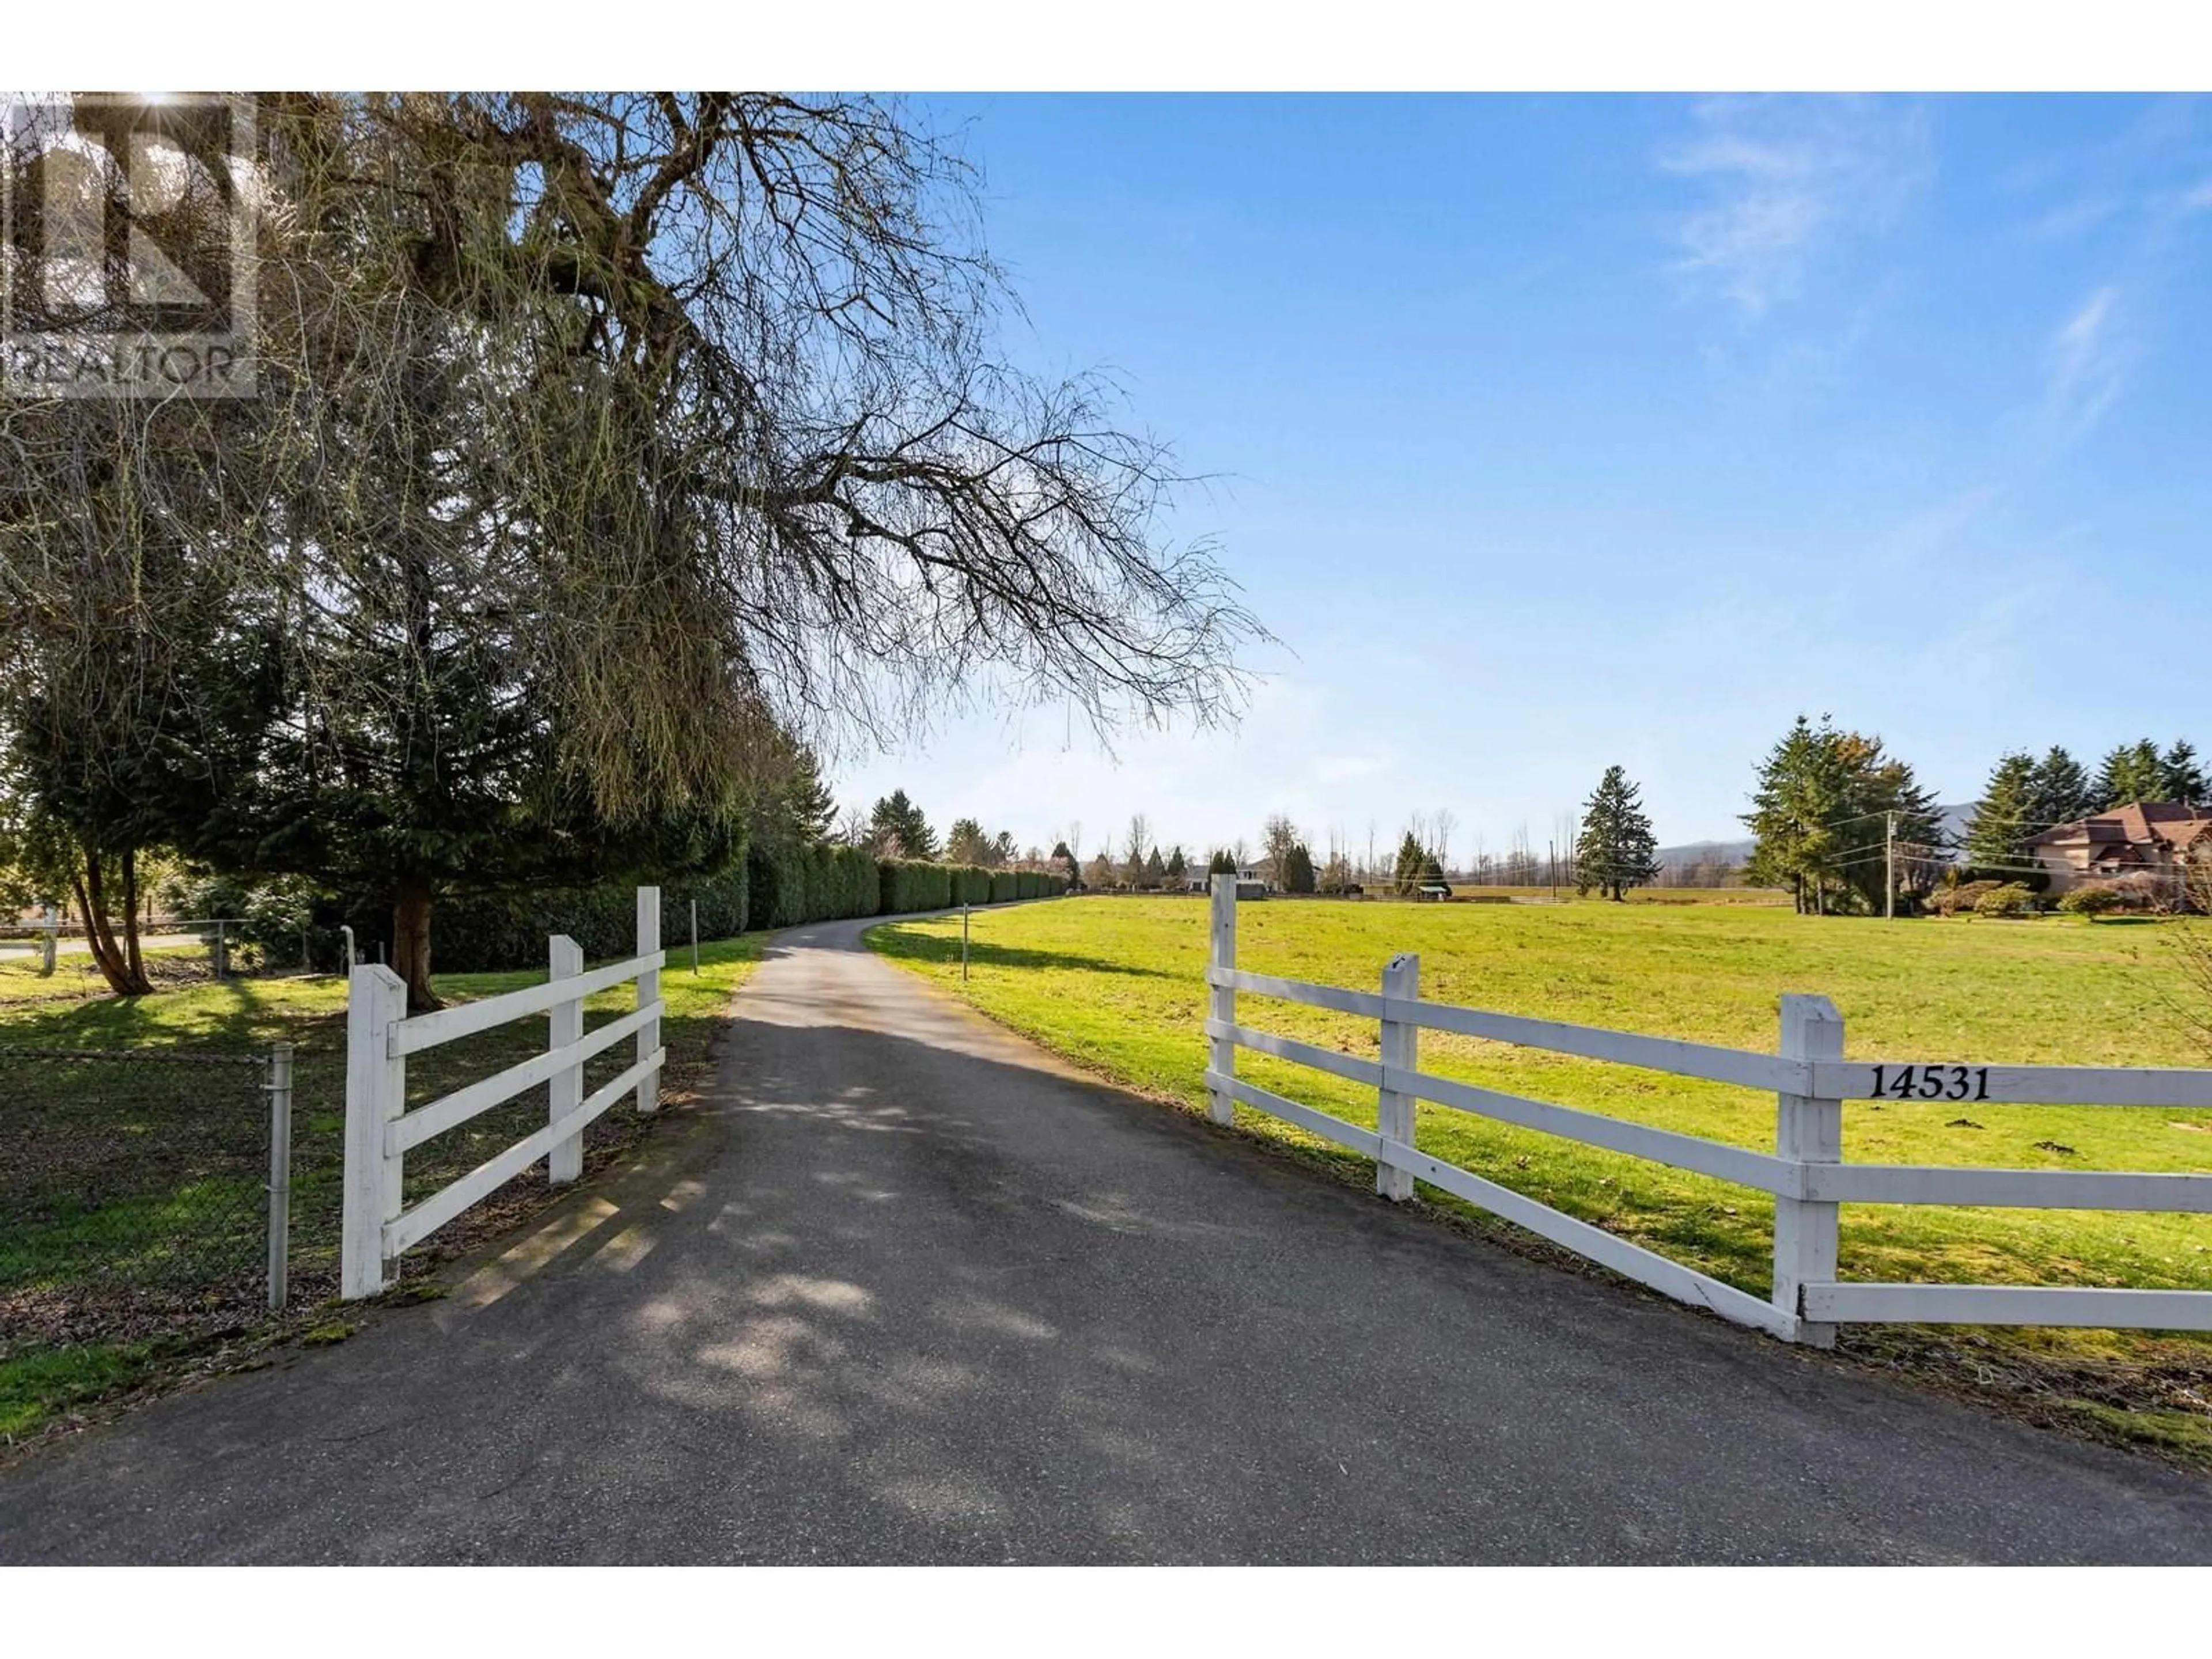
{"x": 1949, "y": 900}
{"x": 2010, "y": 899}
{"x": 2092, "y": 900}
{"x": 2146, "y": 890}
{"x": 2137, "y": 893}
{"x": 272, "y": 921}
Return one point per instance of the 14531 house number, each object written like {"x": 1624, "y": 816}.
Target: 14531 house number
{"x": 1932, "y": 1082}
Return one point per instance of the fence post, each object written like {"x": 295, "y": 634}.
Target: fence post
{"x": 1808, "y": 1130}
{"x": 52, "y": 923}
{"x": 280, "y": 1175}
{"x": 376, "y": 1094}
{"x": 564, "y": 1025}
{"x": 1221, "y": 1002}
{"x": 1401, "y": 1048}
{"x": 648, "y": 993}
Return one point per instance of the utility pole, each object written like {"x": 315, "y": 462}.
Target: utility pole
{"x": 1889, "y": 868}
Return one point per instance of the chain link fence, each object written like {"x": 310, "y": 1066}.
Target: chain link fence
{"x": 136, "y": 1190}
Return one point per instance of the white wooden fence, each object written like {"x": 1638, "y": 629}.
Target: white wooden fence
{"x": 1810, "y": 1080}
{"x": 380, "y": 1129}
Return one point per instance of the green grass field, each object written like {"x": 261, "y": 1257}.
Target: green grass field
{"x": 76, "y": 979}
{"x": 40, "y": 1375}
{"x": 1116, "y": 984}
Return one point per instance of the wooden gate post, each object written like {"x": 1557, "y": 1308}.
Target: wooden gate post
{"x": 376, "y": 1094}
{"x": 1807, "y": 1130}
{"x": 1400, "y": 1049}
{"x": 564, "y": 1025}
{"x": 648, "y": 993}
{"x": 1221, "y": 1000}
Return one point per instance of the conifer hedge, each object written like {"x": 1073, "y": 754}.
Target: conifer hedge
{"x": 763, "y": 889}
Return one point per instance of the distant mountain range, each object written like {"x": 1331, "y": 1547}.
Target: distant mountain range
{"x": 1736, "y": 852}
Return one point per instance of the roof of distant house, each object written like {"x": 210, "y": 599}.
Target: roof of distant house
{"x": 2142, "y": 824}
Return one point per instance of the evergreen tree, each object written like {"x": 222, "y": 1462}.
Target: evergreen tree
{"x": 1411, "y": 867}
{"x": 117, "y": 739}
{"x": 1794, "y": 806}
{"x": 1156, "y": 870}
{"x": 808, "y": 803}
{"x": 2133, "y": 772}
{"x": 1297, "y": 876}
{"x": 1178, "y": 867}
{"x": 790, "y": 809}
{"x": 965, "y": 842}
{"x": 2006, "y": 815}
{"x": 2058, "y": 792}
{"x": 899, "y": 828}
{"x": 1063, "y": 857}
{"x": 1822, "y": 810}
{"x": 1616, "y": 849}
{"x": 1221, "y": 863}
{"x": 1881, "y": 792}
{"x": 2181, "y": 777}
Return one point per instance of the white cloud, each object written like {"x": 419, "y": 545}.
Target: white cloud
{"x": 1932, "y": 533}
{"x": 2074, "y": 218}
{"x": 2088, "y": 364}
{"x": 1787, "y": 178}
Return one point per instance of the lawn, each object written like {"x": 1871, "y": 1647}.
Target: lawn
{"x": 1116, "y": 984}
{"x": 77, "y": 977}
{"x": 74, "y": 1325}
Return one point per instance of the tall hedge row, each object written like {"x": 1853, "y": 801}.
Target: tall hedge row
{"x": 487, "y": 933}
{"x": 908, "y": 885}
{"x": 763, "y": 889}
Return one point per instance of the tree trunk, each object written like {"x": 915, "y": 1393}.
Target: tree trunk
{"x": 125, "y": 974}
{"x": 134, "y": 960}
{"x": 411, "y": 943}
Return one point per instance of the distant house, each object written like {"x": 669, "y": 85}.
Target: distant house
{"x": 2158, "y": 836}
{"x": 1251, "y": 883}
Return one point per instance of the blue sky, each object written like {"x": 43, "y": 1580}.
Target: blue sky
{"x": 1555, "y": 432}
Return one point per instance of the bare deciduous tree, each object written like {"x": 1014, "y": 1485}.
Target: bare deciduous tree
{"x": 622, "y": 431}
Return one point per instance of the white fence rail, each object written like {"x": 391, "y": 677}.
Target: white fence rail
{"x": 1806, "y": 1173}
{"x": 380, "y": 1129}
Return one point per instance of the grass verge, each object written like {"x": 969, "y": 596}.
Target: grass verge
{"x": 76, "y": 1331}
